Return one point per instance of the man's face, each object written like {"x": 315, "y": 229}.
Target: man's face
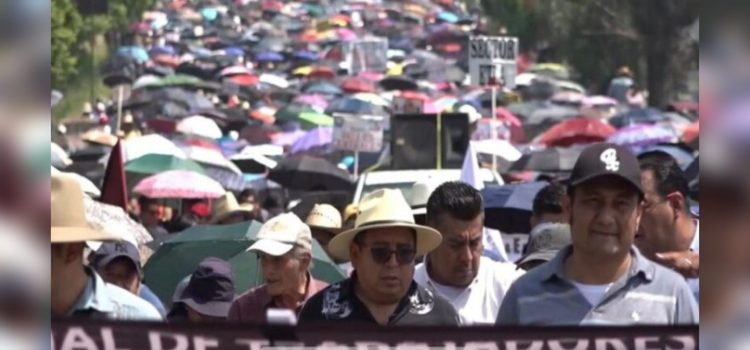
{"x": 656, "y": 233}
{"x": 151, "y": 215}
{"x": 386, "y": 282}
{"x": 604, "y": 217}
{"x": 122, "y": 273}
{"x": 456, "y": 261}
{"x": 282, "y": 274}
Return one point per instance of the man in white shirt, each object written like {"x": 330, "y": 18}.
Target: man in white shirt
{"x": 456, "y": 270}
{"x": 668, "y": 232}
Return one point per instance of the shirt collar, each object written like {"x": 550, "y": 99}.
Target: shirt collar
{"x": 556, "y": 266}
{"x": 94, "y": 295}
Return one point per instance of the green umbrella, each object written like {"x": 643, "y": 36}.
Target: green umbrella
{"x": 247, "y": 273}
{"x": 180, "y": 254}
{"x": 157, "y": 163}
{"x": 179, "y": 80}
{"x": 292, "y": 112}
{"x": 312, "y": 120}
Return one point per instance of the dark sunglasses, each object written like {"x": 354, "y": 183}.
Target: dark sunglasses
{"x": 381, "y": 255}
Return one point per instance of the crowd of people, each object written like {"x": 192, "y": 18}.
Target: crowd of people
{"x": 613, "y": 238}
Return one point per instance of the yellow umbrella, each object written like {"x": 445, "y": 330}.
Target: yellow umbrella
{"x": 303, "y": 71}
{"x": 395, "y": 69}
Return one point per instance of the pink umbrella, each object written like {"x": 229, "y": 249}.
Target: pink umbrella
{"x": 179, "y": 184}
{"x": 346, "y": 34}
{"x": 505, "y": 115}
{"x": 313, "y": 100}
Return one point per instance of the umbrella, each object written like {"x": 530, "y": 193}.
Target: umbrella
{"x": 292, "y": 112}
{"x": 640, "y": 136}
{"x": 99, "y": 137}
{"x": 253, "y": 163}
{"x": 447, "y": 17}
{"x": 87, "y": 186}
{"x": 269, "y": 56}
{"x": 691, "y": 133}
{"x": 179, "y": 184}
{"x": 355, "y": 85}
{"x": 549, "y": 160}
{"x": 150, "y": 144}
{"x": 322, "y": 88}
{"x": 235, "y": 70}
{"x": 179, "y": 80}
{"x": 398, "y": 83}
{"x": 637, "y": 116}
{"x": 59, "y": 157}
{"x": 135, "y": 52}
{"x": 322, "y": 72}
{"x": 315, "y": 138}
{"x": 274, "y": 80}
{"x": 114, "y": 219}
{"x": 576, "y": 131}
{"x": 157, "y": 163}
{"x": 372, "y": 98}
{"x": 311, "y": 120}
{"x": 226, "y": 178}
{"x": 309, "y": 173}
{"x": 315, "y": 101}
{"x": 210, "y": 157}
{"x": 180, "y": 254}
{"x": 508, "y": 208}
{"x": 287, "y": 138}
{"x": 350, "y": 105}
{"x": 201, "y": 126}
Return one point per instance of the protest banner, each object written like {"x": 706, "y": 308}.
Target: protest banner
{"x": 111, "y": 335}
{"x": 358, "y": 134}
{"x": 493, "y": 59}
{"x": 366, "y": 54}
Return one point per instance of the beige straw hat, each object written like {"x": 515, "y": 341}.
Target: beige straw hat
{"x": 68, "y": 214}
{"x": 227, "y": 206}
{"x": 325, "y": 217}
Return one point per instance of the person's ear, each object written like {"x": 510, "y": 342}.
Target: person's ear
{"x": 677, "y": 201}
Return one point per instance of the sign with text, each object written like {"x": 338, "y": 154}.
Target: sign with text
{"x": 111, "y": 335}
{"x": 366, "y": 54}
{"x": 488, "y": 129}
{"x": 402, "y": 105}
{"x": 358, "y": 133}
{"x": 493, "y": 59}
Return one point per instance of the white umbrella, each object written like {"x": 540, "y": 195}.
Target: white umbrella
{"x": 145, "y": 81}
{"x": 210, "y": 157}
{"x": 235, "y": 70}
{"x": 59, "y": 157}
{"x": 266, "y": 150}
{"x": 199, "y": 125}
{"x": 87, "y": 186}
{"x": 275, "y": 80}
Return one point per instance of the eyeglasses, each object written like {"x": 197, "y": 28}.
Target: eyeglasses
{"x": 404, "y": 256}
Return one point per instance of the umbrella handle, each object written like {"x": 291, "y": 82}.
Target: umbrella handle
{"x": 439, "y": 140}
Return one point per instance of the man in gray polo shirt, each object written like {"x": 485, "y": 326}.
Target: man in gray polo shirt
{"x": 601, "y": 278}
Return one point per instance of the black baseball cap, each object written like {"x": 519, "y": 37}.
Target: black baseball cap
{"x": 210, "y": 290}
{"x": 110, "y": 251}
{"x": 606, "y": 159}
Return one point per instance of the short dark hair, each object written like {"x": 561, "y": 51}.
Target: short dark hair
{"x": 549, "y": 199}
{"x": 247, "y": 192}
{"x": 668, "y": 177}
{"x": 144, "y": 201}
{"x": 456, "y": 198}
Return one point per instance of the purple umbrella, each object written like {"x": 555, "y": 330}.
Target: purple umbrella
{"x": 641, "y": 136}
{"x": 317, "y": 101}
{"x": 315, "y": 138}
{"x": 287, "y": 138}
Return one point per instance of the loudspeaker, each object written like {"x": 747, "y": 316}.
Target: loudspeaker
{"x": 92, "y": 7}
{"x": 414, "y": 140}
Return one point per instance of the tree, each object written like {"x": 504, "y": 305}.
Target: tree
{"x": 66, "y": 27}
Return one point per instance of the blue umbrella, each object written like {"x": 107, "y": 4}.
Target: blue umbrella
{"x": 162, "y": 50}
{"x": 269, "y": 56}
{"x": 209, "y": 13}
{"x": 234, "y": 51}
{"x": 135, "y": 52}
{"x": 306, "y": 56}
{"x": 449, "y": 17}
{"x": 355, "y": 106}
{"x": 322, "y": 88}
{"x": 508, "y": 208}
{"x": 637, "y": 116}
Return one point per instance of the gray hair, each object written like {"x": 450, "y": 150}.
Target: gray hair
{"x": 298, "y": 252}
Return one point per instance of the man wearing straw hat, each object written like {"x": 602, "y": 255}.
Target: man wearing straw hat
{"x": 382, "y": 247}
{"x": 325, "y": 223}
{"x": 77, "y": 290}
{"x": 228, "y": 211}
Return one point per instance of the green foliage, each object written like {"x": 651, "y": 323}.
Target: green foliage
{"x": 66, "y": 29}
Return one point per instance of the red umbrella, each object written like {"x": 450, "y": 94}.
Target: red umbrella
{"x": 243, "y": 79}
{"x": 576, "y": 131}
{"x": 506, "y": 116}
{"x": 199, "y": 142}
{"x": 322, "y": 73}
{"x": 272, "y": 5}
{"x": 691, "y": 133}
{"x": 415, "y": 95}
{"x": 355, "y": 85}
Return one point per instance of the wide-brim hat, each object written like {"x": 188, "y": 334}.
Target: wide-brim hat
{"x": 68, "y": 213}
{"x": 228, "y": 206}
{"x": 324, "y": 217}
{"x": 384, "y": 209}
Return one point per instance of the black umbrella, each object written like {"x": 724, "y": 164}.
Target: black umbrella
{"x": 398, "y": 83}
{"x": 508, "y": 208}
{"x": 550, "y": 160}
{"x": 310, "y": 174}
{"x": 338, "y": 199}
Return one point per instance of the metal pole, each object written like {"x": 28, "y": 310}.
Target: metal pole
{"x": 119, "y": 108}
{"x": 492, "y": 125}
{"x": 92, "y": 78}
{"x": 356, "y": 164}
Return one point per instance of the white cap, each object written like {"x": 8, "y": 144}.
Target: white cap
{"x": 279, "y": 235}
{"x": 474, "y": 115}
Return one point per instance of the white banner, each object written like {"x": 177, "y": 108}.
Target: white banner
{"x": 493, "y": 58}
{"x": 358, "y": 133}
{"x": 366, "y": 54}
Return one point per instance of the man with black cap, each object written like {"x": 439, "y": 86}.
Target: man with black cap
{"x": 208, "y": 295}
{"x": 119, "y": 263}
{"x": 601, "y": 278}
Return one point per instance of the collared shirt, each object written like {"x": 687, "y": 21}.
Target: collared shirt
{"x": 148, "y": 295}
{"x": 479, "y": 302}
{"x": 695, "y": 247}
{"x": 103, "y": 300}
{"x": 252, "y": 305}
{"x": 647, "y": 294}
{"x": 339, "y": 303}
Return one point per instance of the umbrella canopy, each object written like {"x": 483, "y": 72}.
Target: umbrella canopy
{"x": 350, "y": 105}
{"x": 373, "y": 99}
{"x": 355, "y": 85}
{"x": 398, "y": 83}
{"x": 59, "y": 157}
{"x": 640, "y": 136}
{"x": 210, "y": 157}
{"x": 150, "y": 144}
{"x": 291, "y": 112}
{"x": 201, "y": 126}
{"x": 179, "y": 184}
{"x": 549, "y": 160}
{"x": 269, "y": 56}
{"x": 311, "y": 120}
{"x": 309, "y": 173}
{"x": 508, "y": 208}
{"x": 177, "y": 257}
{"x": 315, "y": 101}
{"x": 315, "y": 138}
{"x": 577, "y": 131}
{"x": 157, "y": 163}
{"x": 637, "y": 116}
{"x": 691, "y": 133}
{"x": 322, "y": 88}
{"x": 680, "y": 153}
{"x": 114, "y": 219}
{"x": 253, "y": 163}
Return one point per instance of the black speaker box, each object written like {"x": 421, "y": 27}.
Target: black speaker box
{"x": 414, "y": 140}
